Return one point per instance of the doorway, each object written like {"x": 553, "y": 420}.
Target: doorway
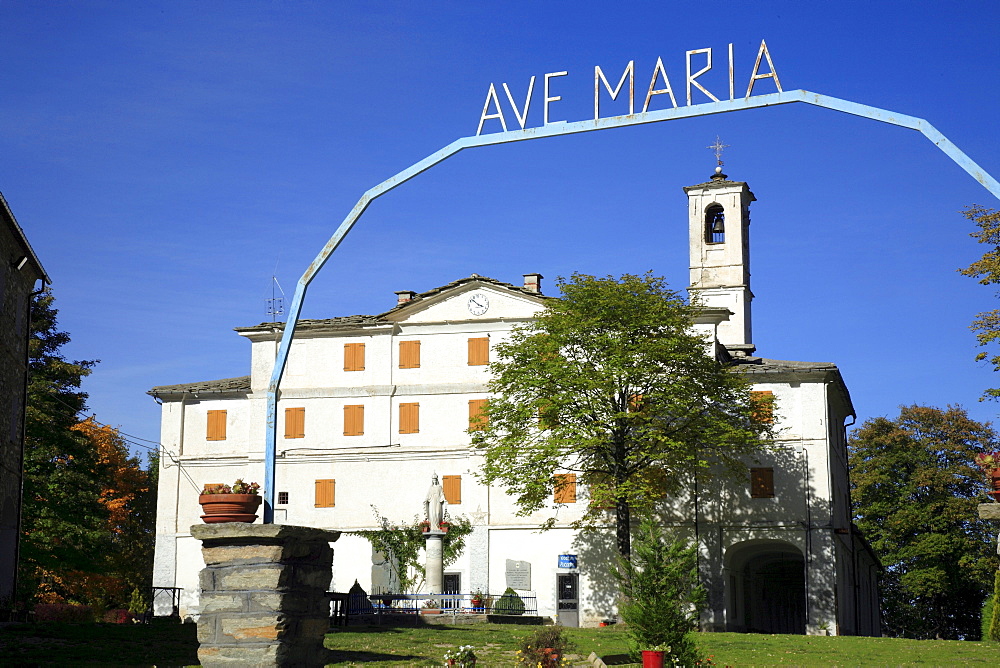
{"x": 568, "y": 598}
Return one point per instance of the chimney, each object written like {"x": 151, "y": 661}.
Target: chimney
{"x": 403, "y": 296}
{"x": 533, "y": 283}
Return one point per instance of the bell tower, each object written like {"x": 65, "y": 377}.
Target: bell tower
{"x": 718, "y": 224}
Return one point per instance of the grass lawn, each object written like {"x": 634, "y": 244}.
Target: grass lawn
{"x": 496, "y": 646}
{"x": 96, "y": 645}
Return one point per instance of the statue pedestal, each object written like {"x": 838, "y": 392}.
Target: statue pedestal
{"x": 263, "y": 594}
{"x": 434, "y": 566}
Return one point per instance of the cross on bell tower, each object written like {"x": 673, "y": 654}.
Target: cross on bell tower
{"x": 719, "y": 241}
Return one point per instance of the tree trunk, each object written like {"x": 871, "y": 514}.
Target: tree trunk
{"x": 623, "y": 521}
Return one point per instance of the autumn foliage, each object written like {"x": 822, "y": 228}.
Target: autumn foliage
{"x": 88, "y": 505}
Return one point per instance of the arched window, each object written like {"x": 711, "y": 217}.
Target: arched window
{"x": 715, "y": 225}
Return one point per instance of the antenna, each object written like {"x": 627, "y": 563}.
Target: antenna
{"x": 276, "y": 304}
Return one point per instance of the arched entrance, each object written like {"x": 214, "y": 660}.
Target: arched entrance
{"x": 767, "y": 588}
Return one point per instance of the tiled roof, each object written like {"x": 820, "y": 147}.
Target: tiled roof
{"x": 353, "y": 321}
{"x": 223, "y": 385}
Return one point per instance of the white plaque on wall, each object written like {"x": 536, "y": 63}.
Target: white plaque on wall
{"x": 518, "y": 574}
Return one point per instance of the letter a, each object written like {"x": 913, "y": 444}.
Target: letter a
{"x": 773, "y": 74}
{"x": 659, "y": 70}
{"x": 492, "y": 95}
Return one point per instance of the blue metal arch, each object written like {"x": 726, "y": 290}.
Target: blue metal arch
{"x": 553, "y": 130}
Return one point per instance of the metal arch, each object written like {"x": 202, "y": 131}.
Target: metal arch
{"x": 553, "y": 130}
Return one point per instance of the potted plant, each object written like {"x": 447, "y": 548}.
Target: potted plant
{"x": 477, "y": 599}
{"x": 989, "y": 462}
{"x": 652, "y": 657}
{"x": 431, "y": 607}
{"x": 464, "y": 656}
{"x": 224, "y": 503}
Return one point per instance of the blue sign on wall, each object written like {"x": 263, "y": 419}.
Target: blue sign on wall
{"x": 567, "y": 561}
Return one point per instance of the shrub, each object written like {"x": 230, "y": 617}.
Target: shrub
{"x": 63, "y": 612}
{"x": 137, "y": 603}
{"x": 661, "y": 597}
{"x": 991, "y": 612}
{"x": 117, "y": 616}
{"x": 545, "y": 648}
{"x": 509, "y": 604}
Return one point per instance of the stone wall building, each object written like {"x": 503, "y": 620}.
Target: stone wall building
{"x": 20, "y": 273}
{"x": 371, "y": 406}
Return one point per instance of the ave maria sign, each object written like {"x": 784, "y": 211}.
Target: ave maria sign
{"x": 659, "y": 84}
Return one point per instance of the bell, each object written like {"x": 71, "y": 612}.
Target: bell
{"x": 718, "y": 226}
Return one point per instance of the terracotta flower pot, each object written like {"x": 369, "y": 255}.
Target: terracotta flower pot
{"x": 995, "y": 479}
{"x": 652, "y": 659}
{"x": 229, "y": 507}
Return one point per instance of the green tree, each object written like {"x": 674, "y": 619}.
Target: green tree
{"x": 915, "y": 490}
{"x": 610, "y": 382}
{"x": 987, "y": 269}
{"x": 63, "y": 520}
{"x": 661, "y": 597}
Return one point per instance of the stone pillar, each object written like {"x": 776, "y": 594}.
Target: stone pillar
{"x": 263, "y": 594}
{"x": 434, "y": 566}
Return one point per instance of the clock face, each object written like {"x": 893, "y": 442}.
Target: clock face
{"x": 478, "y": 304}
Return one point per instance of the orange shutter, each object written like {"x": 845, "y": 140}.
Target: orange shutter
{"x": 477, "y": 420}
{"x": 762, "y": 483}
{"x": 216, "y": 426}
{"x": 409, "y": 418}
{"x": 452, "y": 485}
{"x": 565, "y": 489}
{"x": 295, "y": 423}
{"x": 479, "y": 351}
{"x": 409, "y": 354}
{"x": 762, "y": 406}
{"x": 326, "y": 493}
{"x": 354, "y": 420}
{"x": 354, "y": 357}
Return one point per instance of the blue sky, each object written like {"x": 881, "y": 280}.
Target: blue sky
{"x": 165, "y": 158}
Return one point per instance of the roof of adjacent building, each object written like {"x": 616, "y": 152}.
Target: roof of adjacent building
{"x": 353, "y": 321}
{"x": 221, "y": 386}
{"x": 8, "y": 216}
{"x": 777, "y": 369}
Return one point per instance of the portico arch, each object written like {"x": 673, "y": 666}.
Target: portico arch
{"x": 766, "y": 588}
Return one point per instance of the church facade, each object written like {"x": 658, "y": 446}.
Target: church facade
{"x": 371, "y": 407}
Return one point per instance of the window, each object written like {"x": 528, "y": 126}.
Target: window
{"x": 477, "y": 420}
{"x": 354, "y": 357}
{"x": 565, "y": 488}
{"x": 409, "y": 419}
{"x": 452, "y": 485}
{"x": 762, "y": 406}
{"x": 354, "y": 420}
{"x": 216, "y": 426}
{"x": 295, "y": 423}
{"x": 409, "y": 354}
{"x": 762, "y": 483}
{"x": 715, "y": 224}
{"x": 282, "y": 498}
{"x": 326, "y": 493}
{"x": 479, "y": 351}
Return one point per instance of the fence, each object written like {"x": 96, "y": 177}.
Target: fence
{"x": 358, "y": 602}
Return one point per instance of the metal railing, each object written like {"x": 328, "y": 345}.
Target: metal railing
{"x": 452, "y": 603}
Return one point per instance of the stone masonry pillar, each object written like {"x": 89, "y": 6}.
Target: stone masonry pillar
{"x": 434, "y": 566}
{"x": 263, "y": 594}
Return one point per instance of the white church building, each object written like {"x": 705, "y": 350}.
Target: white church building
{"x": 371, "y": 406}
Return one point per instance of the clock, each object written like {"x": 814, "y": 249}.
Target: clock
{"x": 478, "y": 304}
